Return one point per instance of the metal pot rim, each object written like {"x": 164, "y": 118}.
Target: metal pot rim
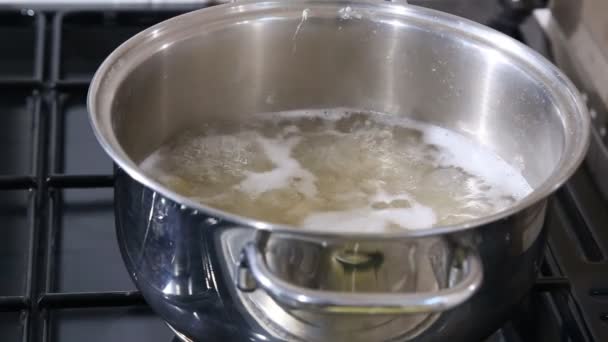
{"x": 135, "y": 50}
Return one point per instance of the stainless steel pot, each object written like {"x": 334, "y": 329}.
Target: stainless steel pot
{"x": 210, "y": 273}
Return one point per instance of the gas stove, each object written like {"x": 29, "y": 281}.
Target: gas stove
{"x": 62, "y": 275}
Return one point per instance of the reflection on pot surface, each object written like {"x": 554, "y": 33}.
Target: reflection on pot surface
{"x": 186, "y": 263}
{"x": 344, "y": 266}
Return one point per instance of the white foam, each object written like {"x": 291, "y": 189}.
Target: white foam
{"x": 458, "y": 150}
{"x": 414, "y": 216}
{"x": 376, "y": 181}
{"x": 287, "y": 171}
{"x": 152, "y": 164}
{"x": 333, "y": 114}
{"x": 477, "y": 160}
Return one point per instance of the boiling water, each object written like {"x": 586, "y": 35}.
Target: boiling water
{"x": 338, "y": 170}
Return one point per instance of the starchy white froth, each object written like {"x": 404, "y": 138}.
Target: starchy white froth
{"x": 339, "y": 170}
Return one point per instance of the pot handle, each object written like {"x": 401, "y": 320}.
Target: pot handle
{"x": 252, "y": 272}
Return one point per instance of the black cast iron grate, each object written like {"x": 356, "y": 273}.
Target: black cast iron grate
{"x": 47, "y": 62}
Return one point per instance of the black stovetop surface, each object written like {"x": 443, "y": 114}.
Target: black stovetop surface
{"x": 61, "y": 274}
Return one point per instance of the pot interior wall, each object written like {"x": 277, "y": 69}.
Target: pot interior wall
{"x": 328, "y": 56}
